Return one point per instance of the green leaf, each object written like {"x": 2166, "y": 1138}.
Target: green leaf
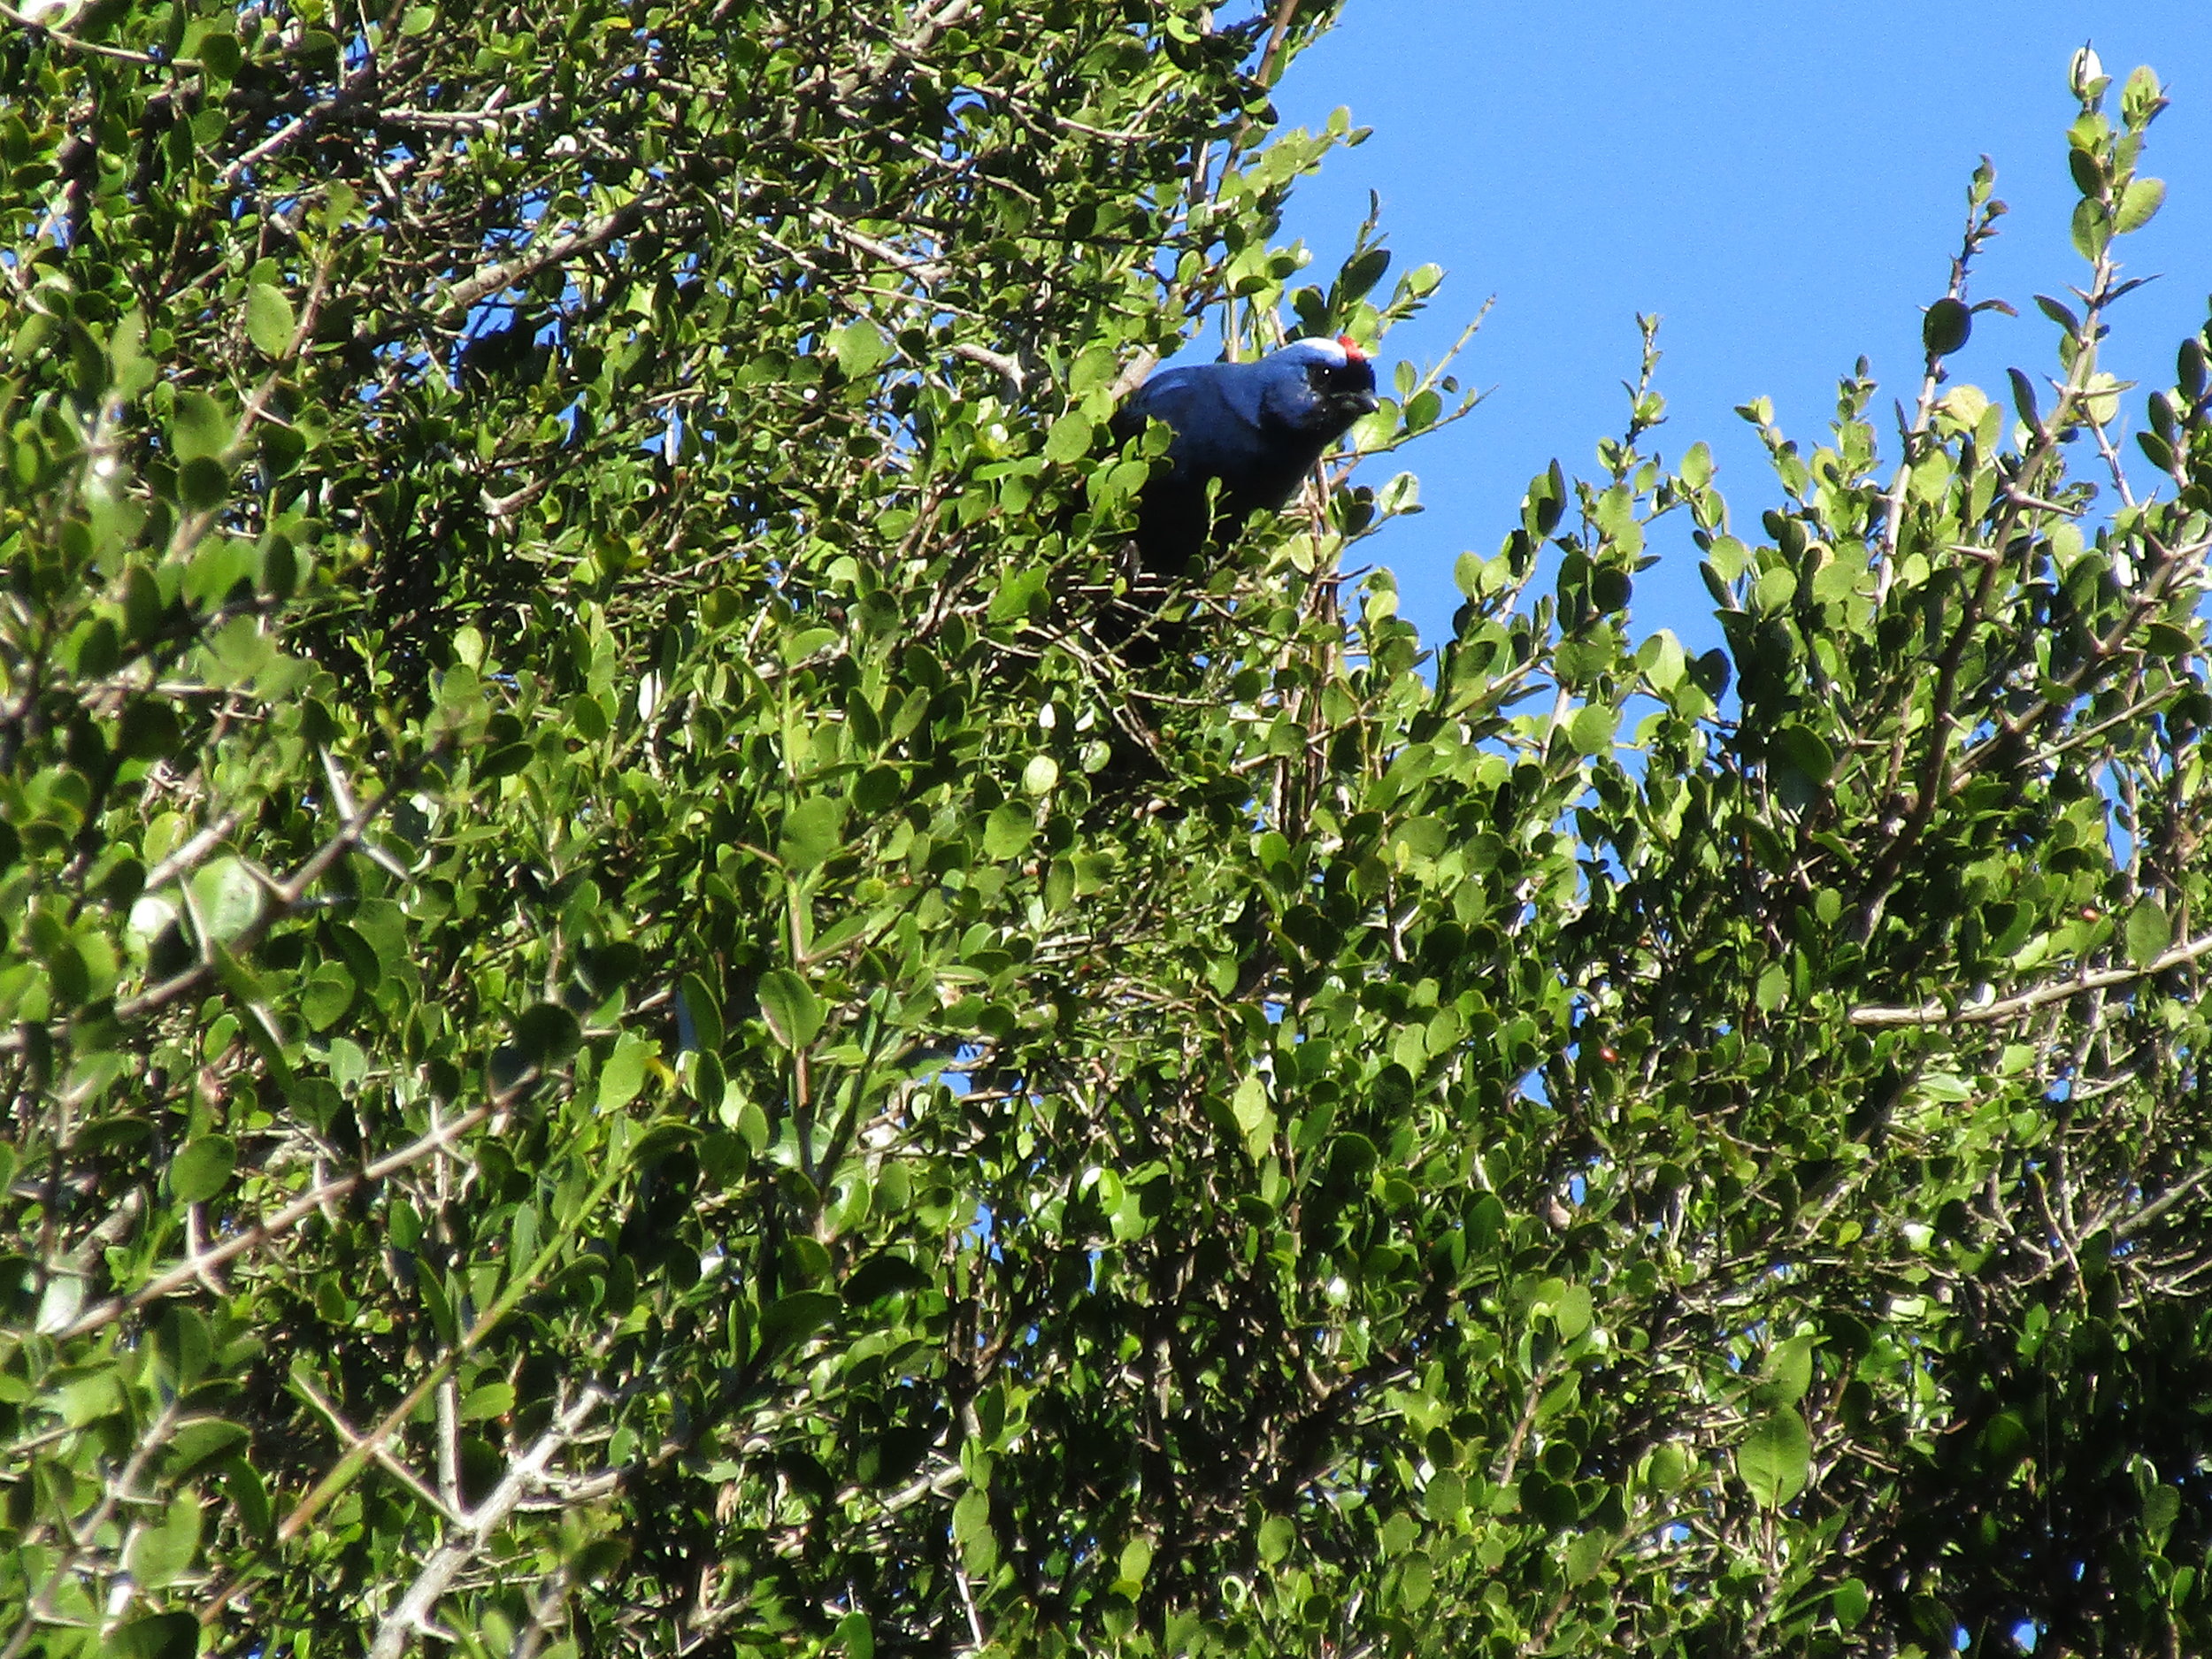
{"x": 2163, "y": 639}
{"x": 860, "y": 349}
{"x": 1807, "y": 752}
{"x": 1586, "y": 1552}
{"x": 856, "y": 1636}
{"x": 202, "y": 1168}
{"x": 489, "y": 1400}
{"x": 971, "y": 1530}
{"x": 1109, "y": 487}
{"x": 545, "y": 1036}
{"x": 1571, "y": 1312}
{"x": 787, "y": 1002}
{"x": 793, "y": 1319}
{"x": 1008, "y": 830}
{"x": 227, "y": 898}
{"x": 813, "y": 830}
{"x": 1775, "y": 1459}
{"x": 218, "y": 54}
{"x": 2058, "y": 313}
{"x": 200, "y": 1442}
{"x": 1416, "y": 1581}
{"x": 2090, "y": 177}
{"x": 159, "y": 1553}
{"x": 1136, "y": 1561}
{"x": 2006, "y": 1441}
{"x": 1254, "y": 1117}
{"x": 623, "y": 1073}
{"x": 155, "y": 1636}
{"x": 2160, "y": 1505}
{"x": 1071, "y": 437}
{"x": 1361, "y": 272}
{"x": 2091, "y": 228}
{"x": 2142, "y": 95}
{"x": 201, "y": 428}
{"x": 438, "y": 1306}
{"x": 884, "y": 1275}
{"x": 1350, "y": 1157}
{"x": 270, "y": 323}
{"x": 1551, "y": 1503}
{"x": 1850, "y": 1600}
{"x": 1445, "y": 1496}
{"x": 2149, "y": 931}
{"x": 326, "y": 996}
{"x": 1022, "y": 593}
{"x": 1789, "y": 1373}
{"x": 1663, "y": 660}
{"x": 1773, "y": 989}
{"x": 1592, "y": 729}
{"x": 2142, "y": 200}
{"x": 704, "y": 1009}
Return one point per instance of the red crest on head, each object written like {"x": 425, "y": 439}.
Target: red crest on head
{"x": 1351, "y": 348}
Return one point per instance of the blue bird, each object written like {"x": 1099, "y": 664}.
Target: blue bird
{"x": 1259, "y": 427}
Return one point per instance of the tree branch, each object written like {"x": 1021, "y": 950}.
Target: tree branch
{"x": 1935, "y": 1013}
{"x": 411, "y": 1615}
{"x": 285, "y": 1220}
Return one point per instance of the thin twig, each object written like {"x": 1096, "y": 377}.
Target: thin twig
{"x": 1938, "y": 1013}
{"x": 283, "y": 1221}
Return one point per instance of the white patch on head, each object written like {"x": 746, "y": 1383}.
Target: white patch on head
{"x": 1320, "y": 349}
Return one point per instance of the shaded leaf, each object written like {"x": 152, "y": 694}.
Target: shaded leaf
{"x": 2149, "y": 931}
{"x": 795, "y": 1015}
{"x": 202, "y": 1168}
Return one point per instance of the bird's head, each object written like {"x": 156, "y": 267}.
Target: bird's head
{"x": 1319, "y": 387}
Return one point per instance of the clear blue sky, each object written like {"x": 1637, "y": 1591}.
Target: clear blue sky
{"x": 1783, "y": 185}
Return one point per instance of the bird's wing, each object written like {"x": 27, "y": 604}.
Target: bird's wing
{"x": 1212, "y": 433}
{"x": 1173, "y": 395}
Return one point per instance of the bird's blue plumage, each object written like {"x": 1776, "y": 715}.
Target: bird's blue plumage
{"x": 1258, "y": 427}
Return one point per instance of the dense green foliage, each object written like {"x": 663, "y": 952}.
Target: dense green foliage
{"x": 626, "y": 1034}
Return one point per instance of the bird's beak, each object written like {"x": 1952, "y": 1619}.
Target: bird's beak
{"x": 1363, "y": 403}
